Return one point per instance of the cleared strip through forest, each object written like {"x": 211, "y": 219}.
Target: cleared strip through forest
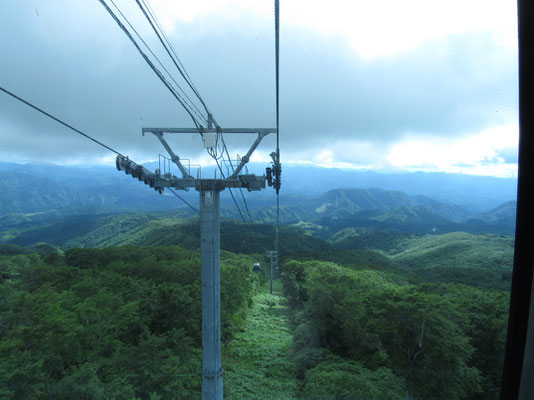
{"x": 258, "y": 360}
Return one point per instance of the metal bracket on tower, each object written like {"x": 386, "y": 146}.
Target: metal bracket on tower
{"x": 274, "y": 173}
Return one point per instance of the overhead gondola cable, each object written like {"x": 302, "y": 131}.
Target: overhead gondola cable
{"x": 186, "y": 202}
{"x": 151, "y": 64}
{"x": 191, "y": 105}
{"x": 225, "y": 149}
{"x": 167, "y": 49}
{"x": 155, "y": 18}
{"x": 235, "y": 201}
{"x": 79, "y": 132}
{"x": 168, "y": 85}
{"x": 277, "y": 166}
{"x": 58, "y": 120}
{"x": 151, "y": 18}
{"x": 160, "y": 33}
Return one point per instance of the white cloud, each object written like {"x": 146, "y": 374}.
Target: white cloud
{"x": 373, "y": 28}
{"x": 477, "y": 154}
{"x": 357, "y": 78}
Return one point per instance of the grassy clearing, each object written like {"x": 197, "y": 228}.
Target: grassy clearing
{"x": 257, "y": 361}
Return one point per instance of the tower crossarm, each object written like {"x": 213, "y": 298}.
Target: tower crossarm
{"x": 264, "y": 131}
{"x": 251, "y": 182}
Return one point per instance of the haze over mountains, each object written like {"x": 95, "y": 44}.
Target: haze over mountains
{"x": 331, "y": 198}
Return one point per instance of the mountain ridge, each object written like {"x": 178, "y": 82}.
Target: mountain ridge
{"x": 475, "y": 194}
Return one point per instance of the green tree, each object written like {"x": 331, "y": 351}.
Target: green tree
{"x": 425, "y": 338}
{"x": 336, "y": 378}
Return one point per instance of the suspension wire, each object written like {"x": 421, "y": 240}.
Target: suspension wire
{"x": 277, "y": 68}
{"x": 154, "y": 22}
{"x": 191, "y": 104}
{"x": 277, "y": 59}
{"x": 167, "y": 45}
{"x": 163, "y": 79}
{"x": 225, "y": 149}
{"x": 81, "y": 133}
{"x": 232, "y": 194}
{"x": 189, "y": 82}
{"x": 247, "y": 210}
{"x": 151, "y": 64}
{"x": 160, "y": 33}
{"x": 181, "y": 198}
{"x": 155, "y": 18}
{"x": 58, "y": 120}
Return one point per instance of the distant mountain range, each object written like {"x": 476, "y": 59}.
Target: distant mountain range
{"x": 34, "y": 187}
{"x": 384, "y": 209}
{"x": 35, "y": 194}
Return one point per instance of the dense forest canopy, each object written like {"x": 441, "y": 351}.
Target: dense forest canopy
{"x": 373, "y": 314}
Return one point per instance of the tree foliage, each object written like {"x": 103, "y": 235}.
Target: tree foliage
{"x": 117, "y": 323}
{"x": 440, "y": 341}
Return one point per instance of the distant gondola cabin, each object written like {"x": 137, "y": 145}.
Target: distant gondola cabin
{"x": 256, "y": 267}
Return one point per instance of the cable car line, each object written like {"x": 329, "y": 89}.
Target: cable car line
{"x": 152, "y": 19}
{"x": 169, "y": 86}
{"x": 191, "y": 104}
{"x": 278, "y": 168}
{"x": 189, "y": 82}
{"x": 151, "y": 64}
{"x": 181, "y": 198}
{"x": 79, "y": 132}
{"x": 58, "y": 120}
{"x": 213, "y": 153}
{"x": 155, "y": 18}
{"x": 233, "y": 198}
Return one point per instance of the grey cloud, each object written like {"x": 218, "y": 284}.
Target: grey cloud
{"x": 79, "y": 66}
{"x": 508, "y": 155}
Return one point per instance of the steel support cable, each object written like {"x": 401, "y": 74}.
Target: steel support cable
{"x": 181, "y": 198}
{"x": 277, "y": 68}
{"x": 155, "y": 18}
{"x": 232, "y": 194}
{"x": 78, "y": 131}
{"x": 191, "y": 105}
{"x": 240, "y": 191}
{"x": 225, "y": 149}
{"x": 176, "y": 60}
{"x": 156, "y": 21}
{"x": 153, "y": 21}
{"x": 166, "y": 45}
{"x": 58, "y": 120}
{"x": 172, "y": 58}
{"x": 150, "y": 63}
{"x": 247, "y": 210}
{"x": 277, "y": 73}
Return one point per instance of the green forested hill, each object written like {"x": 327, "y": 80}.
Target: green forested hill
{"x": 480, "y": 260}
{"x": 38, "y": 190}
{"x": 369, "y": 335}
{"x": 370, "y": 311}
{"x": 124, "y": 323}
{"x": 115, "y": 323}
{"x": 103, "y": 183}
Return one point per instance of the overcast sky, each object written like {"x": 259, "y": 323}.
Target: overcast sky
{"x": 418, "y": 84}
